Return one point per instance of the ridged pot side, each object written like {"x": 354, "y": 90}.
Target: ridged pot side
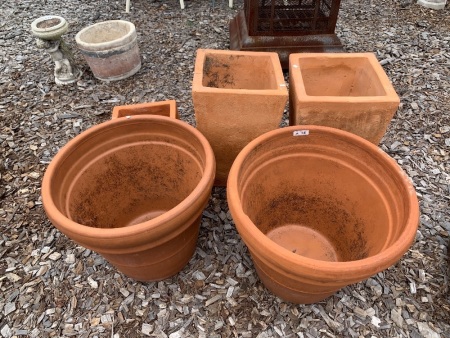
{"x": 319, "y": 186}
{"x": 133, "y": 190}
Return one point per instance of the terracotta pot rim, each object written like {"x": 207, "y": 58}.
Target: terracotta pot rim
{"x": 273, "y": 252}
{"x": 133, "y": 230}
{"x": 279, "y": 78}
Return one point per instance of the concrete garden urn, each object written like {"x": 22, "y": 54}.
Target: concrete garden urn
{"x": 349, "y": 91}
{"x": 237, "y": 96}
{"x": 320, "y": 208}
{"x": 110, "y": 48}
{"x": 133, "y": 190}
{"x": 163, "y": 108}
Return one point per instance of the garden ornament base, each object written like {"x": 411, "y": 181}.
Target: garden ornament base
{"x": 48, "y": 31}
{"x": 133, "y": 190}
{"x": 320, "y": 208}
{"x": 349, "y": 91}
{"x": 237, "y": 96}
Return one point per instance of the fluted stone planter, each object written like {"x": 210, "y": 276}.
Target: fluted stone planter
{"x": 433, "y": 4}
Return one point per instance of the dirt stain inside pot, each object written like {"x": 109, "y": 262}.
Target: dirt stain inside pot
{"x": 134, "y": 185}
{"x": 322, "y": 221}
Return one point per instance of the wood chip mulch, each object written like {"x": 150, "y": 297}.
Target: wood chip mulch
{"x": 51, "y": 287}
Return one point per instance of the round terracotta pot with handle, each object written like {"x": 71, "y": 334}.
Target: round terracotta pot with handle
{"x": 320, "y": 208}
{"x": 133, "y": 190}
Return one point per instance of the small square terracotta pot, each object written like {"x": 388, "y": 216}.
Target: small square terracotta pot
{"x": 163, "y": 108}
{"x": 348, "y": 91}
{"x": 237, "y": 96}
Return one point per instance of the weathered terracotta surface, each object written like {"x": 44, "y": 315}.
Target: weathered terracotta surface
{"x": 237, "y": 96}
{"x": 320, "y": 208}
{"x": 163, "y": 108}
{"x": 110, "y": 48}
{"x": 349, "y": 91}
{"x": 133, "y": 190}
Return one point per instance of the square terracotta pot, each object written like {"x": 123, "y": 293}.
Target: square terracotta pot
{"x": 164, "y": 108}
{"x": 237, "y": 96}
{"x": 348, "y": 91}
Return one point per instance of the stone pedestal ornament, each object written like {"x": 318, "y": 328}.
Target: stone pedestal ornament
{"x": 48, "y": 31}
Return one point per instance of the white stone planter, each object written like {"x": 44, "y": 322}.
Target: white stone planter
{"x": 110, "y": 48}
{"x": 433, "y": 4}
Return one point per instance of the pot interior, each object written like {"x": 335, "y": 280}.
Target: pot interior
{"x": 105, "y": 32}
{"x": 320, "y": 203}
{"x": 132, "y": 185}
{"x": 350, "y": 76}
{"x": 228, "y": 71}
{"x": 127, "y": 172}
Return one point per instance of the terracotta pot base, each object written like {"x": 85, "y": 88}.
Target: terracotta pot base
{"x": 164, "y": 266}
{"x": 290, "y": 294}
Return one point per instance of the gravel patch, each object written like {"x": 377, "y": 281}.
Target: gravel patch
{"x": 50, "y": 287}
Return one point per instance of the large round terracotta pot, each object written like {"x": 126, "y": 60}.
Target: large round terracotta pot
{"x": 320, "y": 208}
{"x": 133, "y": 190}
